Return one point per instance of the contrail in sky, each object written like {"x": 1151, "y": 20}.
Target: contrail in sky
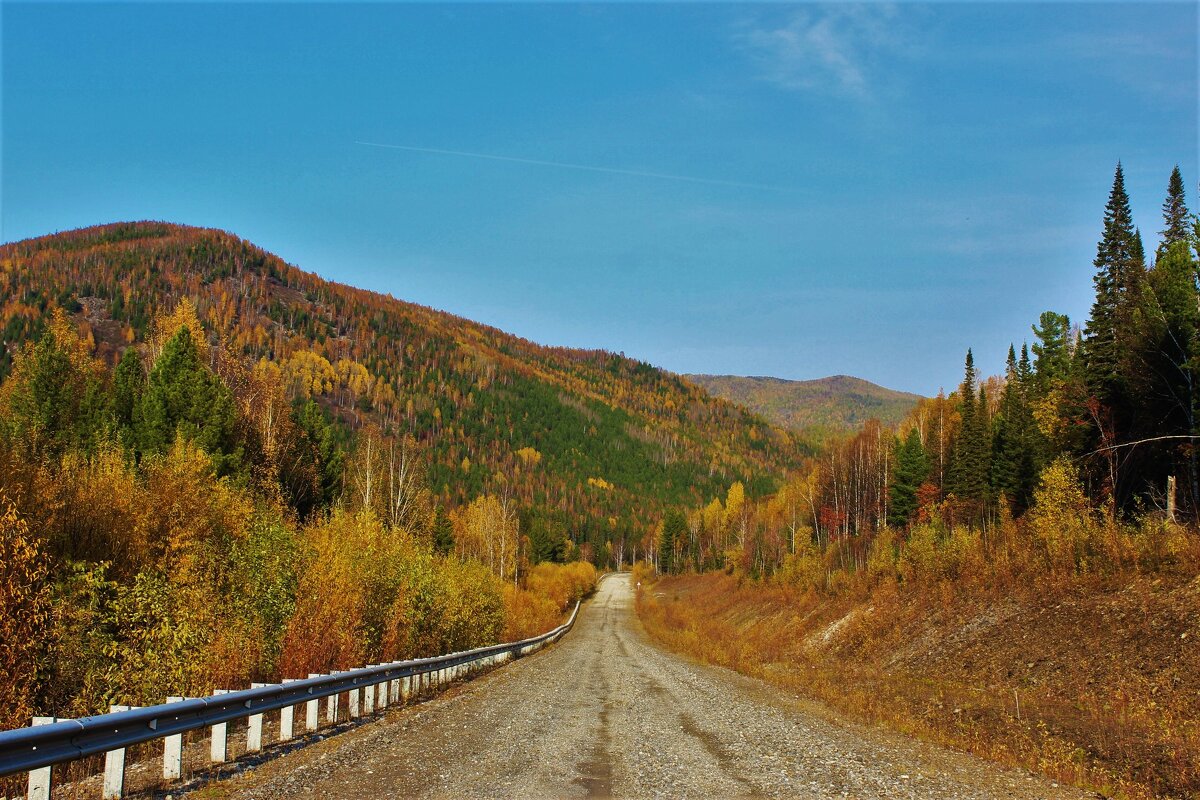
{"x": 564, "y": 165}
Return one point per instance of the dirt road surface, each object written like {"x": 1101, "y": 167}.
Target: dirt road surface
{"x": 607, "y": 713}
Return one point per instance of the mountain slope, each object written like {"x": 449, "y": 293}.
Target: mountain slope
{"x": 828, "y": 405}
{"x": 605, "y": 441}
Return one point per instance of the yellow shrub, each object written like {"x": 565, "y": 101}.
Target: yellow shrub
{"x": 24, "y": 616}
{"x": 881, "y": 560}
{"x": 918, "y": 561}
{"x": 803, "y": 569}
{"x": 1062, "y": 522}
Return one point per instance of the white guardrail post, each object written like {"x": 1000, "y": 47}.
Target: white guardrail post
{"x": 173, "y": 751}
{"x": 218, "y": 750}
{"x": 40, "y": 779}
{"x": 114, "y": 768}
{"x": 312, "y": 709}
{"x": 49, "y": 741}
{"x": 286, "y": 717}
{"x": 254, "y": 726}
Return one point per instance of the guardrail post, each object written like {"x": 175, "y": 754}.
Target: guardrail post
{"x": 384, "y": 694}
{"x": 331, "y": 706}
{"x": 40, "y": 780}
{"x": 369, "y": 697}
{"x": 254, "y": 725}
{"x": 286, "y": 716}
{"x": 312, "y": 709}
{"x": 353, "y": 707}
{"x": 218, "y": 750}
{"x": 173, "y": 752}
{"x": 114, "y": 767}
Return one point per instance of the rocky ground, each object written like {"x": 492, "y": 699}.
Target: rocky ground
{"x": 607, "y": 713}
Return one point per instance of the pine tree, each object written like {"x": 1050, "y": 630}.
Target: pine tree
{"x": 1175, "y": 214}
{"x": 912, "y": 469}
{"x": 328, "y": 455}
{"x": 129, "y": 382}
{"x": 1005, "y": 446}
{"x": 674, "y": 530}
{"x": 969, "y": 465}
{"x": 443, "y": 533}
{"x": 1168, "y": 388}
{"x": 184, "y": 398}
{"x": 1119, "y": 271}
{"x": 1014, "y": 442}
{"x": 55, "y": 399}
{"x": 1052, "y": 351}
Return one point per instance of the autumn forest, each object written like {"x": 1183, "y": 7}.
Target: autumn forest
{"x": 216, "y": 467}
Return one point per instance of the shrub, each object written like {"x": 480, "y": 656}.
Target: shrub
{"x": 918, "y": 561}
{"x": 24, "y": 616}
{"x": 1062, "y": 523}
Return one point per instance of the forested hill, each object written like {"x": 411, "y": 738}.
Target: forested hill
{"x": 836, "y": 405}
{"x": 600, "y": 439}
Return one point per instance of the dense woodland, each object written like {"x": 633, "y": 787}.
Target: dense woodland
{"x": 1065, "y": 458}
{"x": 216, "y": 468}
{"x": 589, "y": 445}
{"x": 180, "y": 522}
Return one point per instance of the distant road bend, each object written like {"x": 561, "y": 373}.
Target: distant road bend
{"x": 605, "y": 713}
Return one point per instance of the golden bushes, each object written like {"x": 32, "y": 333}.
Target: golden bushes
{"x": 550, "y": 589}
{"x": 24, "y": 616}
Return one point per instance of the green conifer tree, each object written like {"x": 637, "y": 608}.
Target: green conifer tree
{"x": 1052, "y": 351}
{"x": 674, "y": 530}
{"x": 969, "y": 465}
{"x": 912, "y": 469}
{"x": 443, "y": 533}
{"x": 1175, "y": 214}
{"x": 1119, "y": 272}
{"x": 129, "y": 383}
{"x": 184, "y": 398}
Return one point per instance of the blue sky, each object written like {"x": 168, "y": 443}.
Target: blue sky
{"x": 879, "y": 186}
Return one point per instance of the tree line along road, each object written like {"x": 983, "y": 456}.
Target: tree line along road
{"x": 607, "y": 713}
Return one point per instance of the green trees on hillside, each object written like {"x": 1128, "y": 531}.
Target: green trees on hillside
{"x": 175, "y": 524}
{"x": 1122, "y": 399}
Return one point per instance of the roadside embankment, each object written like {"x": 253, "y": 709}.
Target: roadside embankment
{"x": 1092, "y": 683}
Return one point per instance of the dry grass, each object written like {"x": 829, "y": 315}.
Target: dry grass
{"x": 1106, "y": 671}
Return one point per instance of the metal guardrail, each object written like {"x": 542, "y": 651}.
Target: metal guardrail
{"x": 29, "y": 749}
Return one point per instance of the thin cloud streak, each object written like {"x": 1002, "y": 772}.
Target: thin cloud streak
{"x": 840, "y": 50}
{"x": 584, "y": 167}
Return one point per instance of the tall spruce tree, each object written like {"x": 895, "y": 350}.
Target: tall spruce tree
{"x": 1175, "y": 214}
{"x": 912, "y": 469}
{"x": 1119, "y": 271}
{"x": 1168, "y": 385}
{"x": 129, "y": 382}
{"x": 1013, "y": 444}
{"x": 969, "y": 466}
{"x": 674, "y": 530}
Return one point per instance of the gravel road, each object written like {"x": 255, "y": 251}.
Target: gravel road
{"x": 607, "y": 713}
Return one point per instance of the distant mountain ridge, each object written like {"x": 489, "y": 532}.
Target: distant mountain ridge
{"x": 819, "y": 408}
